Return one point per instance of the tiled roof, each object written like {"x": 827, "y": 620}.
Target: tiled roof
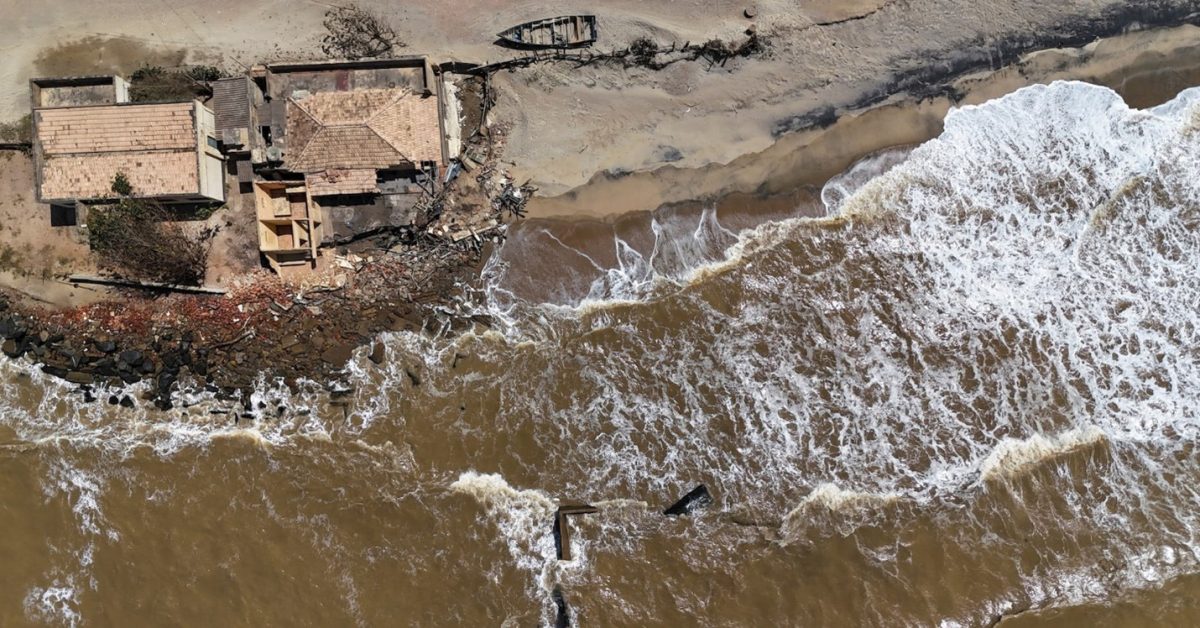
{"x": 329, "y": 182}
{"x": 363, "y": 129}
{"x": 82, "y": 149}
{"x": 117, "y": 128}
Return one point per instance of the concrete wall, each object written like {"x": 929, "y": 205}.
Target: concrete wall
{"x": 211, "y": 163}
{"x": 121, "y": 89}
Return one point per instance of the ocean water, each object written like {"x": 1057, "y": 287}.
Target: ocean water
{"x": 960, "y": 386}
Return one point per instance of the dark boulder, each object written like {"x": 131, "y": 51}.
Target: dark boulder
{"x": 171, "y": 360}
{"x": 17, "y": 331}
{"x": 76, "y": 359}
{"x": 105, "y": 368}
{"x": 696, "y": 498}
{"x": 338, "y": 355}
{"x": 378, "y": 353}
{"x": 413, "y": 376}
{"x": 80, "y": 377}
{"x": 55, "y": 371}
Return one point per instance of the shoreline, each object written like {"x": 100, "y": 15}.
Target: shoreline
{"x": 792, "y": 168}
{"x": 1133, "y": 64}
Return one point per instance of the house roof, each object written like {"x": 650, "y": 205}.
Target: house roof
{"x": 231, "y": 103}
{"x": 363, "y": 129}
{"x": 82, "y": 149}
{"x": 331, "y": 182}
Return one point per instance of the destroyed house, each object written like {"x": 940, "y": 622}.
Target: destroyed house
{"x": 368, "y": 138}
{"x": 353, "y": 127}
{"x": 343, "y": 138}
{"x": 83, "y": 136}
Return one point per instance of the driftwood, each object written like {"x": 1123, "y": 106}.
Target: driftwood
{"x": 512, "y": 199}
{"x": 401, "y": 233}
{"x": 643, "y": 52}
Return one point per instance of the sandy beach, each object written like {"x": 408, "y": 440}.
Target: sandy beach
{"x": 569, "y": 126}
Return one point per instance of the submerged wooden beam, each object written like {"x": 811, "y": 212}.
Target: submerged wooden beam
{"x": 562, "y": 528}
{"x": 562, "y": 536}
{"x": 145, "y": 285}
{"x": 562, "y": 613}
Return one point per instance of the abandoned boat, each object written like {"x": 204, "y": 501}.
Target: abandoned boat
{"x": 567, "y": 31}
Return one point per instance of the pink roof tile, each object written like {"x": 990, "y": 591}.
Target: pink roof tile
{"x": 82, "y": 149}
{"x": 329, "y": 182}
{"x": 364, "y": 129}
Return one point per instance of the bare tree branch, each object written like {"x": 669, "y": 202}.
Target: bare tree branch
{"x": 356, "y": 33}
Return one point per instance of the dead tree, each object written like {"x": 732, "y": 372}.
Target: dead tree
{"x": 353, "y": 32}
{"x": 138, "y": 239}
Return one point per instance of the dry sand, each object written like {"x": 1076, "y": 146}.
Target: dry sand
{"x": 569, "y": 124}
{"x": 33, "y": 255}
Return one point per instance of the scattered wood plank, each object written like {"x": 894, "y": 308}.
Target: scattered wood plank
{"x": 144, "y": 285}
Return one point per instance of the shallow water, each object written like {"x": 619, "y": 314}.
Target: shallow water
{"x": 960, "y": 385}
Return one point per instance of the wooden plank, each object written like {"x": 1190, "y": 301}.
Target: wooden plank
{"x": 150, "y": 285}
{"x": 562, "y": 525}
{"x": 562, "y": 536}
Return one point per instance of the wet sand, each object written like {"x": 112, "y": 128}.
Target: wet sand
{"x": 1146, "y": 68}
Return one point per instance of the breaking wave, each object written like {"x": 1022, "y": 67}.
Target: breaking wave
{"x": 1012, "y": 457}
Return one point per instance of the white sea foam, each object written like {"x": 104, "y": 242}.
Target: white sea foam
{"x": 845, "y": 510}
{"x": 1016, "y": 289}
{"x": 523, "y": 516}
{"x": 841, "y": 187}
{"x": 525, "y": 519}
{"x": 58, "y": 601}
{"x": 55, "y": 604}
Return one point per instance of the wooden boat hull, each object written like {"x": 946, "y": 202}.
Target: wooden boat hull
{"x": 567, "y": 31}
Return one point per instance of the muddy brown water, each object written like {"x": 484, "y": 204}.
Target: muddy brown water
{"x": 955, "y": 386}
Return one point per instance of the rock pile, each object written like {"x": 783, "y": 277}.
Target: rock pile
{"x": 226, "y": 343}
